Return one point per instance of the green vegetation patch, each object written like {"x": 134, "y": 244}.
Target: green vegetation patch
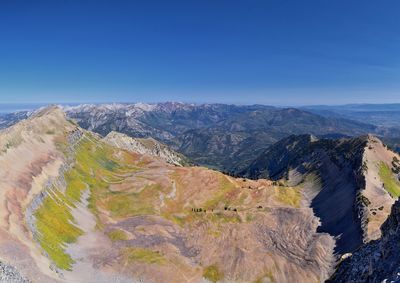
{"x": 94, "y": 164}
{"x": 50, "y": 132}
{"x": 213, "y": 274}
{"x": 117, "y": 235}
{"x": 224, "y": 196}
{"x": 97, "y": 167}
{"x": 133, "y": 254}
{"x": 55, "y": 225}
{"x": 122, "y": 204}
{"x": 289, "y": 195}
{"x": 390, "y": 183}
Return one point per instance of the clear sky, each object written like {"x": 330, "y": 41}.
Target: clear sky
{"x": 252, "y": 51}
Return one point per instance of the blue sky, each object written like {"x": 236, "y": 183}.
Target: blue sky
{"x": 255, "y": 51}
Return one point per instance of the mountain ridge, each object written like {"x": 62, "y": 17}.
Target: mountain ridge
{"x": 72, "y": 200}
{"x": 349, "y": 171}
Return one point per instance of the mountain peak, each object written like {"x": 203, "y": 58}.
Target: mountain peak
{"x": 52, "y": 109}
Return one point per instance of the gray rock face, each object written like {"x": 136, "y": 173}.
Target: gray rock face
{"x": 146, "y": 146}
{"x": 376, "y": 261}
{"x": 338, "y": 167}
{"x": 9, "y": 274}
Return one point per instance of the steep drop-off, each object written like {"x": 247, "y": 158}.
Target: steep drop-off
{"x": 353, "y": 188}
{"x": 378, "y": 260}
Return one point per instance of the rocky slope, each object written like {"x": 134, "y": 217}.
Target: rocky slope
{"x": 8, "y": 274}
{"x": 377, "y": 261}
{"x": 354, "y": 186}
{"x": 146, "y": 146}
{"x": 77, "y": 209}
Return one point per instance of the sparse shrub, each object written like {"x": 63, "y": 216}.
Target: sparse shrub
{"x": 364, "y": 166}
{"x": 117, "y": 235}
{"x": 213, "y": 274}
{"x": 365, "y": 200}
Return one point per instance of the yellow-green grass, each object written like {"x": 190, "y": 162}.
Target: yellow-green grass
{"x": 54, "y": 223}
{"x": 224, "y": 196}
{"x": 117, "y": 235}
{"x": 213, "y": 274}
{"x": 289, "y": 195}
{"x": 94, "y": 162}
{"x": 227, "y": 194}
{"x": 391, "y": 184}
{"x": 134, "y": 254}
{"x": 122, "y": 204}
{"x": 98, "y": 167}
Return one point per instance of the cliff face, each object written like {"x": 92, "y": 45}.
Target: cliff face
{"x": 378, "y": 260}
{"x": 349, "y": 192}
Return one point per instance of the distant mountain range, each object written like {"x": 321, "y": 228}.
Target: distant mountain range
{"x": 225, "y": 137}
{"x": 220, "y": 136}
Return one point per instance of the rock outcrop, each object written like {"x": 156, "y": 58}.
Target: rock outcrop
{"x": 378, "y": 260}
{"x": 146, "y": 146}
{"x": 9, "y": 274}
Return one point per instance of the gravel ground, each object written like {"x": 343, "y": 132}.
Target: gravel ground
{"x": 9, "y": 274}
